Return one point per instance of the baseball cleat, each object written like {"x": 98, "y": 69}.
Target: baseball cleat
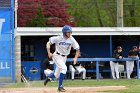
{"x": 46, "y": 81}
{"x": 61, "y": 89}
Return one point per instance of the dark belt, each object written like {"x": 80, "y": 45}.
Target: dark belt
{"x": 60, "y": 54}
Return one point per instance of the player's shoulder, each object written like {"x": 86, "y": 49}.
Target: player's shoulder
{"x": 72, "y": 38}
{"x": 56, "y": 37}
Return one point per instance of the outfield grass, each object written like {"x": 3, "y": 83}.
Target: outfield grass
{"x": 132, "y": 85}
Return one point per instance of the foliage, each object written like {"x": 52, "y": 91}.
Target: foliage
{"x": 103, "y": 13}
{"x": 54, "y": 11}
{"x": 38, "y": 21}
{"x": 131, "y": 13}
{"x": 93, "y": 13}
{"x": 81, "y": 13}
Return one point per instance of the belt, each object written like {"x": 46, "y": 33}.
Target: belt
{"x": 60, "y": 54}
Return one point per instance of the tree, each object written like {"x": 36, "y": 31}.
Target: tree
{"x": 91, "y": 13}
{"x": 54, "y": 11}
{"x": 27, "y": 10}
{"x": 98, "y": 13}
{"x": 131, "y": 13}
{"x": 38, "y": 21}
{"x": 103, "y": 13}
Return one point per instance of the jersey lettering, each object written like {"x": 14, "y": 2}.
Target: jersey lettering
{"x": 64, "y": 43}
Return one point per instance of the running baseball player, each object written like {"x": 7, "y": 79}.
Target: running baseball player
{"x": 133, "y": 53}
{"x": 118, "y": 54}
{"x": 63, "y": 46}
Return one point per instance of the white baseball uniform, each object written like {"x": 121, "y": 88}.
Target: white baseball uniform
{"x": 130, "y": 64}
{"x": 62, "y": 49}
{"x": 114, "y": 69}
{"x": 48, "y": 71}
{"x": 80, "y": 69}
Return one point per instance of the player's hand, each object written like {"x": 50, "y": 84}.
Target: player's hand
{"x": 74, "y": 61}
{"x": 120, "y": 57}
{"x": 50, "y": 55}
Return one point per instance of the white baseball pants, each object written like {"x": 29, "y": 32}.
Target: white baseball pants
{"x": 80, "y": 69}
{"x": 60, "y": 62}
{"x": 47, "y": 72}
{"x": 129, "y": 68}
{"x": 114, "y": 69}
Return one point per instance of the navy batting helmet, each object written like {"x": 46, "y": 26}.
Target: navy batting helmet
{"x": 67, "y": 28}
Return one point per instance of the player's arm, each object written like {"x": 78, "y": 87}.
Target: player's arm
{"x": 77, "y": 54}
{"x": 48, "y": 45}
{"x": 76, "y": 46}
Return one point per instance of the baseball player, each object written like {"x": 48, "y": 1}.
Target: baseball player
{"x": 118, "y": 54}
{"x": 49, "y": 67}
{"x": 63, "y": 46}
{"x": 133, "y": 53}
{"x": 77, "y": 67}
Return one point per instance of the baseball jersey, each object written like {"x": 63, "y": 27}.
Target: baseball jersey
{"x": 47, "y": 64}
{"x": 133, "y": 53}
{"x": 63, "y": 45}
{"x": 116, "y": 54}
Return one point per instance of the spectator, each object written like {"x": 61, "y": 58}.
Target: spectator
{"x": 79, "y": 68}
{"x": 133, "y": 53}
{"x": 118, "y": 54}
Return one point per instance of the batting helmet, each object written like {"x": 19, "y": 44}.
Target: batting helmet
{"x": 66, "y": 28}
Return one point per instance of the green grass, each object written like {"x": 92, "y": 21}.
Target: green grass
{"x": 132, "y": 85}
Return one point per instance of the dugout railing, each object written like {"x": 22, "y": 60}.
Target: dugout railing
{"x": 98, "y": 60}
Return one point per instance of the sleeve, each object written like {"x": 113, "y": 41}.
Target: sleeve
{"x": 116, "y": 54}
{"x": 75, "y": 44}
{"x": 46, "y": 64}
{"x": 130, "y": 53}
{"x": 53, "y": 39}
{"x": 139, "y": 53}
{"x": 121, "y": 54}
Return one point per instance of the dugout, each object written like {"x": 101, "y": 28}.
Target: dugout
{"x": 94, "y": 42}
{"x": 93, "y": 45}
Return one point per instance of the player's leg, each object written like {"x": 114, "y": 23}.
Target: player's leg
{"x": 60, "y": 63}
{"x": 72, "y": 70}
{"x": 47, "y": 72}
{"x": 131, "y": 67}
{"x": 128, "y": 69}
{"x": 112, "y": 69}
{"x": 117, "y": 70}
{"x": 84, "y": 73}
{"x": 79, "y": 69}
{"x": 57, "y": 72}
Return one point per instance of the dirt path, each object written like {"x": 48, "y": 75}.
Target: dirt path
{"x": 69, "y": 89}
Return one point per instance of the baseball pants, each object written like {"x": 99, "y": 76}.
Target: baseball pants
{"x": 114, "y": 69}
{"x": 129, "y": 68}
{"x": 60, "y": 62}
{"x": 79, "y": 69}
